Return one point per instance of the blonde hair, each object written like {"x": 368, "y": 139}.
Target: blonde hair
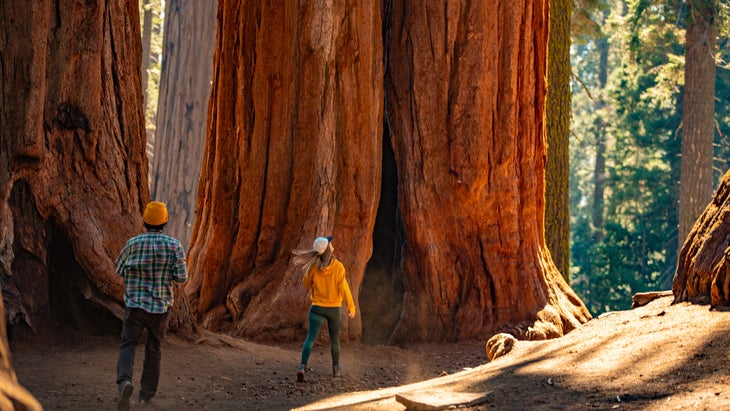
{"x": 306, "y": 258}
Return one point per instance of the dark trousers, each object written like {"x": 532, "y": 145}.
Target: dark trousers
{"x": 317, "y": 315}
{"x": 136, "y": 321}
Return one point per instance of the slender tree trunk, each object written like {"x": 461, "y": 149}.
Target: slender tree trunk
{"x": 72, "y": 159}
{"x": 184, "y": 92}
{"x": 146, "y": 47}
{"x": 466, "y": 103}
{"x": 703, "y": 270}
{"x": 599, "y": 170}
{"x": 557, "y": 121}
{"x": 697, "y": 113}
{"x": 293, "y": 151}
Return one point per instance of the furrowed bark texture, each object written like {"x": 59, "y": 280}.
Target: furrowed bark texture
{"x": 72, "y": 161}
{"x": 557, "y": 121}
{"x": 292, "y": 152}
{"x": 704, "y": 261}
{"x": 465, "y": 100}
{"x": 187, "y": 70}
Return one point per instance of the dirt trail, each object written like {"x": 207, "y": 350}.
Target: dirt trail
{"x": 657, "y": 357}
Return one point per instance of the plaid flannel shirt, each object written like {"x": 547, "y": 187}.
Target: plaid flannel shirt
{"x": 150, "y": 263}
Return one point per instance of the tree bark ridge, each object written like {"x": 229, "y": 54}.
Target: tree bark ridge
{"x": 305, "y": 117}
{"x": 471, "y": 155}
{"x": 74, "y": 175}
{"x": 702, "y": 270}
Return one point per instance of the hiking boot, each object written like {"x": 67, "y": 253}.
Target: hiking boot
{"x": 337, "y": 370}
{"x": 144, "y": 402}
{"x": 125, "y": 391}
{"x": 300, "y": 373}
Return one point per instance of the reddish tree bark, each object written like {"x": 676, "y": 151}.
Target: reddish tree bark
{"x": 292, "y": 152}
{"x": 466, "y": 92}
{"x": 72, "y": 159}
{"x": 703, "y": 270}
{"x": 294, "y": 128}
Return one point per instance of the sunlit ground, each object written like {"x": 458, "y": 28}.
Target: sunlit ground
{"x": 653, "y": 357}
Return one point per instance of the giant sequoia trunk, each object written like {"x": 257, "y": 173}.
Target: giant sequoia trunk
{"x": 187, "y": 69}
{"x": 466, "y": 90}
{"x": 292, "y": 152}
{"x": 72, "y": 162}
{"x": 703, "y": 270}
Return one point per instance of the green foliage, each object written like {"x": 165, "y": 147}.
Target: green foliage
{"x": 636, "y": 115}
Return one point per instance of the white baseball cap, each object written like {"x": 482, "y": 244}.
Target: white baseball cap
{"x": 320, "y": 244}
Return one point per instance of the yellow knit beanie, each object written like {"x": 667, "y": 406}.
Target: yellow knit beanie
{"x": 155, "y": 213}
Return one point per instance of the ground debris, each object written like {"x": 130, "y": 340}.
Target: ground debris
{"x": 642, "y": 299}
{"x": 439, "y": 400}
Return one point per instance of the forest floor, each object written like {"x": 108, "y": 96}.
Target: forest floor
{"x": 656, "y": 357}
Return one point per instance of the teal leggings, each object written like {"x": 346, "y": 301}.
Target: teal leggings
{"x": 317, "y": 315}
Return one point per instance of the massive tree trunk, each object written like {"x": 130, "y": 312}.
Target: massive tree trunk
{"x": 187, "y": 70}
{"x": 466, "y": 90}
{"x": 72, "y": 159}
{"x": 557, "y": 121}
{"x": 703, "y": 270}
{"x": 292, "y": 152}
{"x": 695, "y": 188}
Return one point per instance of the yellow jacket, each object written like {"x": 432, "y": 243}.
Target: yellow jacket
{"x": 329, "y": 286}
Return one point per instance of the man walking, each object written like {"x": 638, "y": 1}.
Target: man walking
{"x": 150, "y": 264}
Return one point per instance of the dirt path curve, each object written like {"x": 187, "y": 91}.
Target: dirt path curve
{"x": 657, "y": 357}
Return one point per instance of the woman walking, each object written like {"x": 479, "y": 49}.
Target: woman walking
{"x": 325, "y": 280}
